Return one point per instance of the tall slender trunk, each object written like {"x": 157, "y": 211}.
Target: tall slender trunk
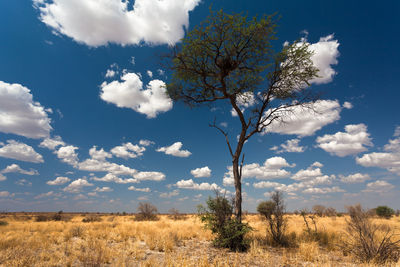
{"x": 237, "y": 175}
{"x": 238, "y": 189}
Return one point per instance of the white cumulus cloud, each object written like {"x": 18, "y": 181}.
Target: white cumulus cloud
{"x": 16, "y": 168}
{"x": 20, "y": 115}
{"x": 354, "y": 178}
{"x": 390, "y": 159}
{"x": 129, "y": 93}
{"x": 379, "y": 186}
{"x": 68, "y": 155}
{"x": 201, "y": 172}
{"x": 77, "y": 186}
{"x": 20, "y": 151}
{"x": 175, "y": 150}
{"x": 190, "y": 184}
{"x": 99, "y": 22}
{"x": 58, "y": 181}
{"x": 325, "y": 55}
{"x": 132, "y": 188}
{"x": 305, "y": 120}
{"x": 52, "y": 143}
{"x": 351, "y": 142}
{"x": 128, "y": 150}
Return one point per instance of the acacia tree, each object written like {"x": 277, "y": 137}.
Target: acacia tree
{"x": 230, "y": 58}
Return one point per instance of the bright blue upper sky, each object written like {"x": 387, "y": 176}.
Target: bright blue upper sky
{"x": 78, "y": 72}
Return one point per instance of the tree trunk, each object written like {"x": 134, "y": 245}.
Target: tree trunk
{"x": 238, "y": 189}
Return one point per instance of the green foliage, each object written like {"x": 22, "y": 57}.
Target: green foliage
{"x": 273, "y": 211}
{"x": 91, "y": 218}
{"x": 230, "y": 233}
{"x": 229, "y": 57}
{"x": 3, "y": 223}
{"x": 384, "y": 211}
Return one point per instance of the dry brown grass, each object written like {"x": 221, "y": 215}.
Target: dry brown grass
{"x": 121, "y": 241}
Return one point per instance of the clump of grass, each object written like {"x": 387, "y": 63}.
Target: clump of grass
{"x": 91, "y": 218}
{"x": 370, "y": 242}
{"x": 3, "y": 223}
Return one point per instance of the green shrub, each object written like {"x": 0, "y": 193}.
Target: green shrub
{"x": 3, "y": 223}
{"x": 273, "y": 211}
{"x": 384, "y": 211}
{"x": 229, "y": 233}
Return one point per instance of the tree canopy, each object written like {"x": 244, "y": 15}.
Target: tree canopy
{"x": 231, "y": 57}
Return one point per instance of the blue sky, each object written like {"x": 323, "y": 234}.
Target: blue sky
{"x": 85, "y": 124}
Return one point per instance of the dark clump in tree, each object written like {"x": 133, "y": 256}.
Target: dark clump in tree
{"x": 218, "y": 217}
{"x": 370, "y": 242}
{"x": 274, "y": 211}
{"x": 229, "y": 59}
{"x": 384, "y": 212}
{"x": 146, "y": 212}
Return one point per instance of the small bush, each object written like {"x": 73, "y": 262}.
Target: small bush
{"x": 273, "y": 211}
{"x": 384, "y": 212}
{"x": 319, "y": 210}
{"x": 3, "y": 223}
{"x": 43, "y": 218}
{"x": 229, "y": 232}
{"x": 174, "y": 214}
{"x": 370, "y": 242}
{"x": 91, "y": 218}
{"x": 146, "y": 212}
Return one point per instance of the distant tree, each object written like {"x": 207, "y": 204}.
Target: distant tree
{"x": 273, "y": 211}
{"x": 319, "y": 210}
{"x": 330, "y": 212}
{"x": 146, "y": 212}
{"x": 230, "y": 58}
{"x": 384, "y": 211}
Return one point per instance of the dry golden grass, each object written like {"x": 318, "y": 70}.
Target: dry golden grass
{"x": 121, "y": 241}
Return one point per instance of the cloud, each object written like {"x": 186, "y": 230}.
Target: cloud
{"x": 390, "y": 159}
{"x": 266, "y": 184}
{"x": 68, "y": 155}
{"x": 23, "y": 182}
{"x": 201, "y": 172}
{"x": 351, "y": 142}
{"x": 58, "y": 181}
{"x": 175, "y": 150}
{"x": 305, "y": 120}
{"x": 325, "y": 54}
{"x": 145, "y": 142}
{"x": 173, "y": 193}
{"x": 109, "y": 177}
{"x": 20, "y": 115}
{"x": 129, "y": 93}
{"x": 16, "y": 168}
{"x": 48, "y": 194}
{"x": 128, "y": 150}
{"x": 52, "y": 143}
{"x": 103, "y": 189}
{"x": 110, "y": 73}
{"x": 132, "y": 188}
{"x": 2, "y": 177}
{"x": 99, "y": 155}
{"x": 99, "y": 22}
{"x": 378, "y": 186}
{"x": 6, "y": 194}
{"x": 271, "y": 169}
{"x": 354, "y": 178}
{"x": 190, "y": 184}
{"x": 347, "y": 105}
{"x": 325, "y": 190}
{"x": 77, "y": 186}
{"x": 291, "y": 145}
{"x": 20, "y": 151}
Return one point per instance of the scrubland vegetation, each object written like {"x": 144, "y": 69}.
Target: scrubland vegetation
{"x": 62, "y": 239}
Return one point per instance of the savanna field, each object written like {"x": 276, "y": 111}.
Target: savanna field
{"x": 36, "y": 239}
